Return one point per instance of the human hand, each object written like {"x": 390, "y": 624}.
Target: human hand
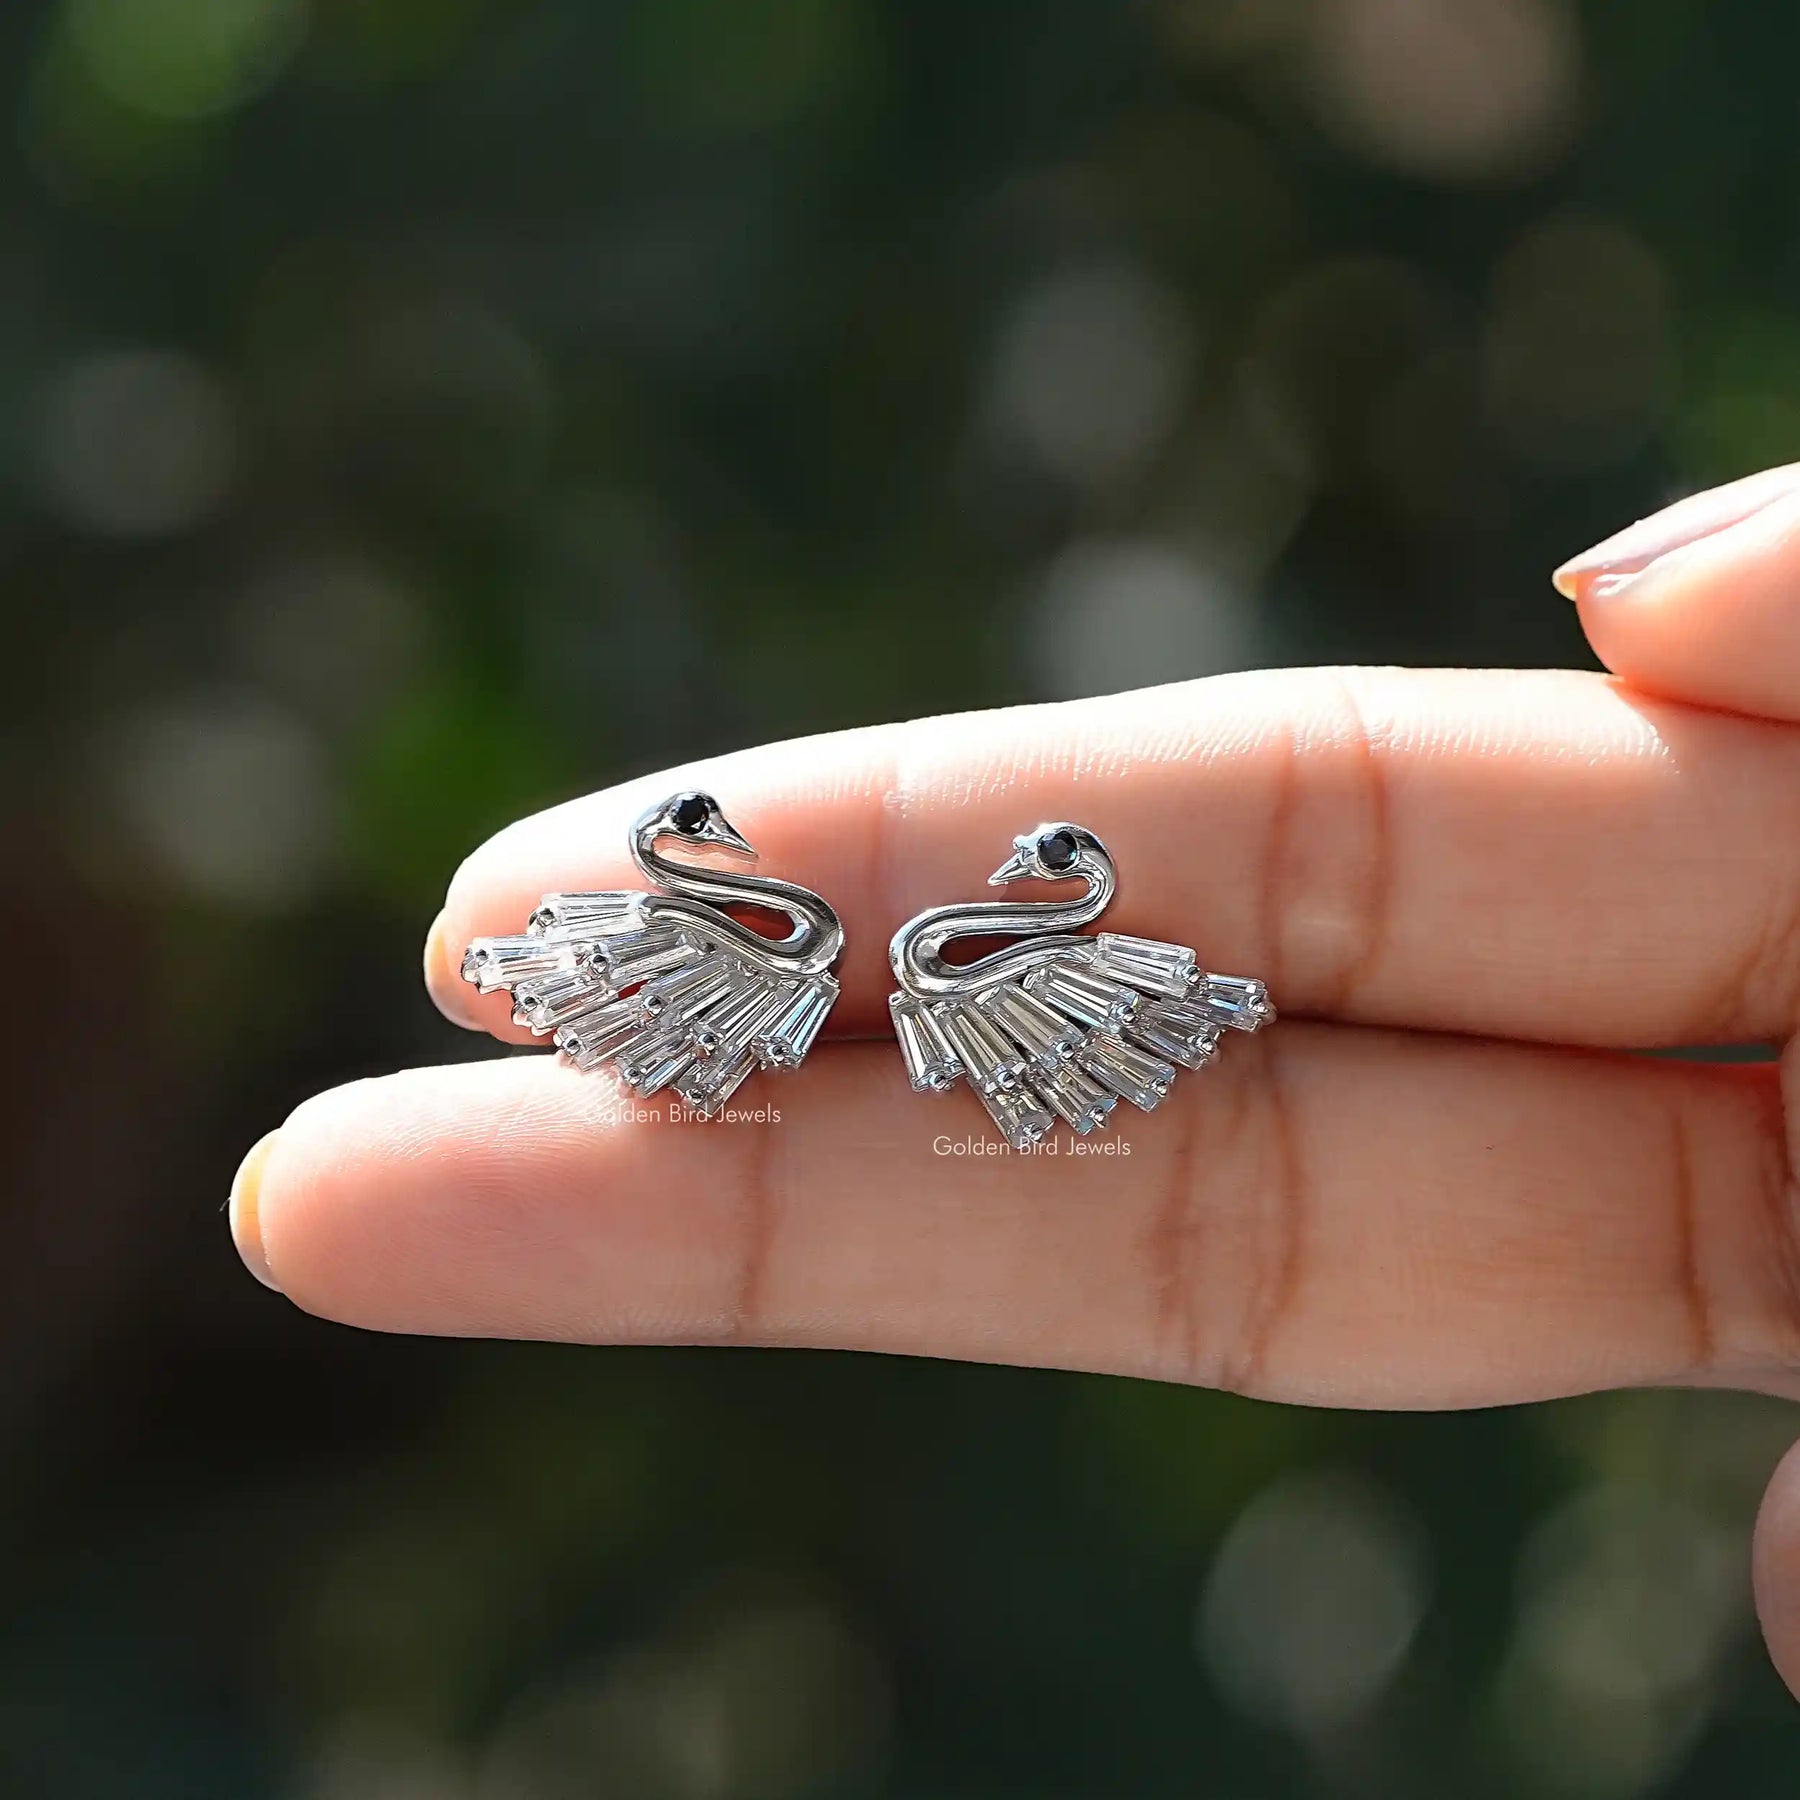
{"x": 1441, "y": 1181}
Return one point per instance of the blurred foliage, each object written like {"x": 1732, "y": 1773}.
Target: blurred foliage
{"x": 416, "y": 411}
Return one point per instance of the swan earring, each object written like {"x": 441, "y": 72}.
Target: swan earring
{"x": 1061, "y": 1025}
{"x": 668, "y": 987}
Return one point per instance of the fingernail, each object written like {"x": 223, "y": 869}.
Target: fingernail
{"x": 1615, "y": 562}
{"x": 246, "y": 1226}
{"x": 435, "y": 967}
{"x": 443, "y": 981}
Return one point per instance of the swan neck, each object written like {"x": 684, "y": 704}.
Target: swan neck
{"x": 811, "y": 946}
{"x": 711, "y": 887}
{"x": 1045, "y": 926}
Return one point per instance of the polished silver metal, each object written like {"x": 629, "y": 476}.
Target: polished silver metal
{"x": 667, "y": 986}
{"x": 1062, "y": 1024}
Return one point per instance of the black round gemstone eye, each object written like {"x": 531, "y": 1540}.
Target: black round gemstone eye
{"x": 1058, "y": 850}
{"x": 688, "y": 814}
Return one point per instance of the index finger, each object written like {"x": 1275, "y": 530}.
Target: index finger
{"x": 1528, "y": 854}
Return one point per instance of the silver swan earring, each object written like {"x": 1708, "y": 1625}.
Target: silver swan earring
{"x": 1062, "y": 1025}
{"x": 668, "y": 987}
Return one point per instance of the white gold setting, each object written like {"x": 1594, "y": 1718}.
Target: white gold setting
{"x": 1061, "y": 1025}
{"x": 667, "y": 986}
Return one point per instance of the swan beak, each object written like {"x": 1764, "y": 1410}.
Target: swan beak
{"x": 727, "y": 836}
{"x": 1015, "y": 868}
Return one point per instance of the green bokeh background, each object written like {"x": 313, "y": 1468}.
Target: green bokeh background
{"x": 417, "y": 411}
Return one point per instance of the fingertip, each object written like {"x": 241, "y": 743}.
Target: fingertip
{"x": 484, "y": 1198}
{"x": 1583, "y": 582}
{"x": 1775, "y": 1568}
{"x": 450, "y": 994}
{"x": 438, "y": 972}
{"x": 1711, "y": 622}
{"x": 1631, "y": 551}
{"x": 245, "y": 1212}
{"x": 319, "y": 1213}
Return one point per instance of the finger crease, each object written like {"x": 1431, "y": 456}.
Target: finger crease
{"x": 1282, "y": 1256}
{"x": 1278, "y": 845}
{"x": 1690, "y": 1281}
{"x": 1373, "y": 886}
{"x": 1777, "y": 1191}
{"x": 1764, "y": 966}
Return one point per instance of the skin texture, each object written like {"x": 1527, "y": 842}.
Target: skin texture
{"x": 1445, "y": 1179}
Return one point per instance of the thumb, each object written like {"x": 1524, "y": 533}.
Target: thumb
{"x": 1701, "y": 602}
{"x": 1776, "y": 1568}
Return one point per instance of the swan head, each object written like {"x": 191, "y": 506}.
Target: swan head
{"x": 1056, "y": 851}
{"x": 694, "y": 818}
